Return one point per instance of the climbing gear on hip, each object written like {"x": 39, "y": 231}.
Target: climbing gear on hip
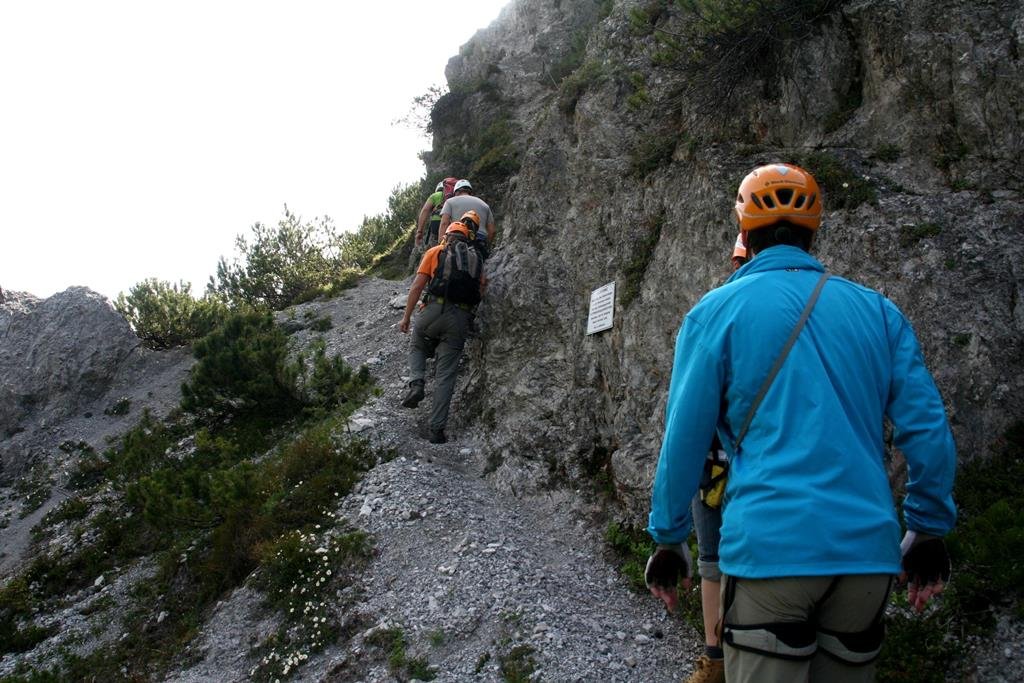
{"x": 713, "y": 479}
{"x": 800, "y": 640}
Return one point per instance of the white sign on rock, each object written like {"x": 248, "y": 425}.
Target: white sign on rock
{"x": 602, "y": 308}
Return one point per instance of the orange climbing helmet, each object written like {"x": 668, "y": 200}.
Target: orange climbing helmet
{"x": 458, "y": 227}
{"x": 472, "y": 220}
{"x": 778, "y": 192}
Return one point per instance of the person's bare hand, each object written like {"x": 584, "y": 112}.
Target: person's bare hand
{"x": 920, "y": 595}
{"x": 403, "y": 326}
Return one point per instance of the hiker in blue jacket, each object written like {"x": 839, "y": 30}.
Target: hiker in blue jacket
{"x": 810, "y": 540}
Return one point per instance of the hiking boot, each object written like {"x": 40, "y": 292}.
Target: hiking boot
{"x": 708, "y": 671}
{"x": 437, "y": 436}
{"x": 414, "y": 395}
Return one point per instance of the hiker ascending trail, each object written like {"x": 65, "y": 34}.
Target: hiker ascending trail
{"x": 797, "y": 370}
{"x": 707, "y": 521}
{"x": 429, "y": 218}
{"x": 463, "y": 201}
{"x": 451, "y": 273}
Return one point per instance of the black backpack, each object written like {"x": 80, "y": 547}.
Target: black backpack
{"x": 459, "y": 269}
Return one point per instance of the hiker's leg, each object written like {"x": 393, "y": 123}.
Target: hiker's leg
{"x": 707, "y": 523}
{"x": 447, "y": 370}
{"x": 771, "y": 618}
{"x": 422, "y": 343}
{"x": 847, "y": 622}
{"x": 446, "y": 365}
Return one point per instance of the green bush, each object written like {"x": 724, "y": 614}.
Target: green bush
{"x": 571, "y": 59}
{"x": 632, "y": 547}
{"x": 574, "y": 85}
{"x": 393, "y": 642}
{"x": 720, "y": 45}
{"x": 912, "y": 234}
{"x": 242, "y": 367}
{"x": 841, "y": 187}
{"x": 378, "y": 234}
{"x": 165, "y": 315}
{"x": 653, "y": 151}
{"x": 888, "y": 152}
{"x": 518, "y": 664}
{"x": 280, "y": 266}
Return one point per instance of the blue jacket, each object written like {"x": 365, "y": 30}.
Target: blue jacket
{"x": 808, "y": 493}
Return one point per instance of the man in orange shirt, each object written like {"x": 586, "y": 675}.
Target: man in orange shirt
{"x": 451, "y": 274}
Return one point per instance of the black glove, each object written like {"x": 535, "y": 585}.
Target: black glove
{"x": 667, "y": 565}
{"x": 925, "y": 559}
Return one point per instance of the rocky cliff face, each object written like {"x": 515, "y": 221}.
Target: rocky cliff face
{"x": 73, "y": 376}
{"x": 608, "y": 159}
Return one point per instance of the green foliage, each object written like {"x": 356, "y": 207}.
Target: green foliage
{"x": 573, "y": 86}
{"x": 312, "y": 472}
{"x": 644, "y": 19}
{"x": 299, "y": 573}
{"x": 321, "y": 324}
{"x": 916, "y": 650}
{"x": 15, "y": 639}
{"x": 654, "y": 151}
{"x": 418, "y": 116}
{"x": 499, "y": 158}
{"x": 571, "y": 60}
{"x": 393, "y": 642}
{"x": 518, "y": 664}
{"x": 164, "y": 315}
{"x": 214, "y": 512}
{"x": 985, "y": 548}
{"x": 280, "y": 266}
{"x": 912, "y": 234}
{"x": 642, "y": 253}
{"x": 33, "y": 487}
{"x": 377, "y": 235}
{"x": 119, "y": 407}
{"x": 888, "y": 152}
{"x": 242, "y": 366}
{"x": 639, "y": 98}
{"x": 72, "y": 509}
{"x": 723, "y": 45}
{"x": 632, "y": 547}
{"x": 841, "y": 188}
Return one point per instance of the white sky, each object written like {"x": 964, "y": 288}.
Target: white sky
{"x": 137, "y": 138}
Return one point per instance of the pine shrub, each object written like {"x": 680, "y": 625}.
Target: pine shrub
{"x": 165, "y": 315}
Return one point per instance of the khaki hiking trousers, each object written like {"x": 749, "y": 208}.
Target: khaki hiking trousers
{"x": 808, "y": 612}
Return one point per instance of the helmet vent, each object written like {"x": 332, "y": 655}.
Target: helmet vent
{"x": 784, "y": 195}
{"x": 757, "y": 202}
{"x": 768, "y": 201}
{"x": 800, "y": 201}
{"x": 811, "y": 203}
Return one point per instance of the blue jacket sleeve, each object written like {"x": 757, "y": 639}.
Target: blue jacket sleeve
{"x": 691, "y": 414}
{"x": 921, "y": 433}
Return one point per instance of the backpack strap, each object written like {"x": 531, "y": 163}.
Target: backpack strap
{"x": 781, "y": 359}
